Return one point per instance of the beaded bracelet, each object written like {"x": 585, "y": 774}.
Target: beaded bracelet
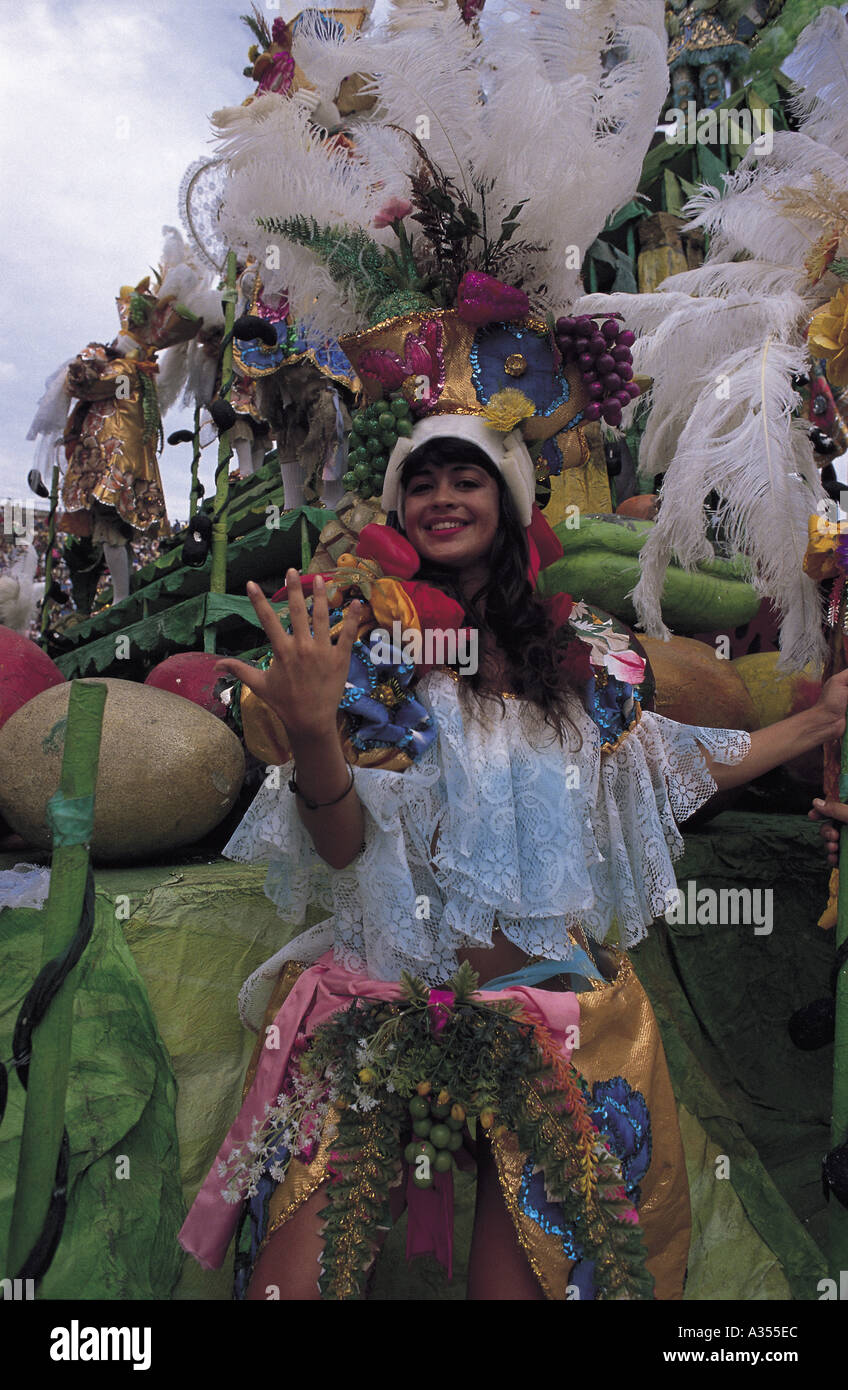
{"x": 319, "y": 805}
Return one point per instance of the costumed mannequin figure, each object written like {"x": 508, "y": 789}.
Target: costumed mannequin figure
{"x": 300, "y": 385}
{"x": 479, "y": 827}
{"x": 112, "y": 488}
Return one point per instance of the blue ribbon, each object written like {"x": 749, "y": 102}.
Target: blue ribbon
{"x": 579, "y": 967}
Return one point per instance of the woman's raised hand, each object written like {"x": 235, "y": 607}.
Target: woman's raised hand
{"x": 304, "y": 684}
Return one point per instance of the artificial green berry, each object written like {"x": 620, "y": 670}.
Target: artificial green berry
{"x": 421, "y": 1128}
{"x": 400, "y": 407}
{"x": 349, "y": 480}
{"x": 404, "y": 428}
{"x": 419, "y": 1108}
{"x": 443, "y": 1162}
{"x": 440, "y": 1136}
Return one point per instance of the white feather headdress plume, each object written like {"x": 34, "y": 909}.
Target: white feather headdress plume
{"x": 819, "y": 69}
{"x": 519, "y": 114}
{"x": 723, "y": 342}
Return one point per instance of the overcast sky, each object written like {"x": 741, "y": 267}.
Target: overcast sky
{"x": 104, "y": 107}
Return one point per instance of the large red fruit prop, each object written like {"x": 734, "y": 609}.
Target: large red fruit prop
{"x": 192, "y": 675}
{"x": 25, "y": 670}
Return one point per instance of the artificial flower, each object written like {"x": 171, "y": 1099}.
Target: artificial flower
{"x": 386, "y": 714}
{"x": 480, "y": 299}
{"x": 828, "y": 337}
{"x": 558, "y": 608}
{"x": 423, "y": 360}
{"x": 392, "y": 211}
{"x": 506, "y": 409}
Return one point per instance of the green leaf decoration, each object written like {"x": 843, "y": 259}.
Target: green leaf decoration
{"x": 352, "y": 257}
{"x": 485, "y": 1058}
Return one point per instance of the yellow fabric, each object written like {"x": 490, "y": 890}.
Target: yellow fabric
{"x": 820, "y": 555}
{"x": 585, "y": 486}
{"x": 828, "y": 918}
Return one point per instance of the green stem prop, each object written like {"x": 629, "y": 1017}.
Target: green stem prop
{"x": 839, "y": 1126}
{"x": 48, "y": 558}
{"x": 218, "y": 579}
{"x": 195, "y": 463}
{"x": 44, "y": 1115}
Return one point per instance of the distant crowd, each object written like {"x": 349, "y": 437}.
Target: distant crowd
{"x": 144, "y": 549}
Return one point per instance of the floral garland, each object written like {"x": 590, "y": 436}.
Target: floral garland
{"x": 363, "y": 1076}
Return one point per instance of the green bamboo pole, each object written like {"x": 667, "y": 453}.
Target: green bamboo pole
{"x": 195, "y": 463}
{"x": 218, "y": 579}
{"x": 48, "y": 559}
{"x": 839, "y": 1128}
{"x": 44, "y": 1116}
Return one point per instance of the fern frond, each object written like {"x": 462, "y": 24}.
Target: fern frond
{"x": 351, "y": 256}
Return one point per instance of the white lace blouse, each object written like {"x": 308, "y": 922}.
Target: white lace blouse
{"x": 496, "y": 819}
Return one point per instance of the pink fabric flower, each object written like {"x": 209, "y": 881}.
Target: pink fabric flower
{"x": 423, "y": 358}
{"x": 482, "y": 299}
{"x": 625, "y": 666}
{"x": 439, "y": 1006}
{"x": 392, "y": 211}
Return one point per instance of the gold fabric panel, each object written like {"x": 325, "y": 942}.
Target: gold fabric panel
{"x": 619, "y": 1037}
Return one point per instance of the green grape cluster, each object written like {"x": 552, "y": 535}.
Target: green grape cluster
{"x": 437, "y": 1126}
{"x": 375, "y": 430}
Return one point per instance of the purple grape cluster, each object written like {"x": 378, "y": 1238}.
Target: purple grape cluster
{"x": 605, "y": 362}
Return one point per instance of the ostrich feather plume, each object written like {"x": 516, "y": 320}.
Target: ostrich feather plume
{"x": 819, "y": 69}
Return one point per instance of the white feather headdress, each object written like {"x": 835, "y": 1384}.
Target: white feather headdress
{"x": 517, "y": 112}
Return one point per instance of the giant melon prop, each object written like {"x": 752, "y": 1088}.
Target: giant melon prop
{"x": 696, "y": 686}
{"x": 169, "y": 771}
{"x": 601, "y": 566}
{"x": 776, "y": 695}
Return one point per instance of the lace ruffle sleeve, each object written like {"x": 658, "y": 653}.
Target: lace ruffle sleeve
{"x": 655, "y": 778}
{"x": 381, "y": 901}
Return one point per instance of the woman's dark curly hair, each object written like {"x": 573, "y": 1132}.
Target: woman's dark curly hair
{"x": 506, "y": 606}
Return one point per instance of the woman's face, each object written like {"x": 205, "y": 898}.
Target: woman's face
{"x": 451, "y": 513}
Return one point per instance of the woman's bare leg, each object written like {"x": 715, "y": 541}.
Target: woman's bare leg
{"x": 498, "y": 1269}
{"x": 289, "y": 1267}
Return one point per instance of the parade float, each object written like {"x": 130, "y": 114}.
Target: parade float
{"x": 719, "y": 570}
